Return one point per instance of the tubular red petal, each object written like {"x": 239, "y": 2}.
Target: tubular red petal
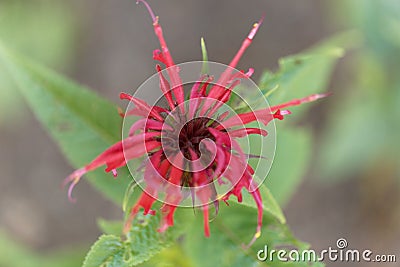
{"x": 141, "y": 149}
{"x": 157, "y": 55}
{"x": 221, "y": 137}
{"x": 262, "y": 115}
{"x": 219, "y": 93}
{"x": 145, "y": 201}
{"x": 164, "y": 167}
{"x": 172, "y": 70}
{"x": 194, "y": 93}
{"x": 296, "y": 102}
{"x": 159, "y": 109}
{"x": 176, "y": 170}
{"x": 236, "y": 190}
{"x": 206, "y": 221}
{"x": 246, "y": 131}
{"x": 256, "y": 26}
{"x": 249, "y": 117}
{"x": 199, "y": 177}
{"x": 136, "y": 112}
{"x": 156, "y": 125}
{"x": 257, "y": 198}
{"x": 70, "y": 189}
{"x": 220, "y": 162}
{"x": 238, "y": 120}
{"x": 168, "y": 217}
{"x": 223, "y": 116}
{"x": 194, "y": 96}
{"x": 250, "y": 169}
{"x": 173, "y": 189}
{"x": 194, "y": 162}
{"x": 193, "y": 105}
{"x": 203, "y": 89}
{"x": 121, "y": 112}
{"x": 279, "y": 114}
{"x": 165, "y": 88}
{"x": 227, "y": 73}
{"x": 223, "y": 98}
{"x": 208, "y": 102}
{"x": 154, "y": 174}
{"x": 146, "y": 124}
{"x": 74, "y": 178}
{"x": 241, "y": 75}
{"x": 142, "y": 105}
{"x": 114, "y": 156}
{"x": 143, "y": 113}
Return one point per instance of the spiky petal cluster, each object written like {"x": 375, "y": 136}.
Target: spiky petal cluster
{"x": 177, "y": 161}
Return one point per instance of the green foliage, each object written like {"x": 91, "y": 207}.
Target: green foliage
{"x": 303, "y": 74}
{"x": 229, "y": 228}
{"x": 184, "y": 217}
{"x": 298, "y": 76}
{"x": 106, "y": 252}
{"x": 46, "y": 32}
{"x": 270, "y": 204}
{"x": 130, "y": 196}
{"x": 140, "y": 244}
{"x": 44, "y": 25}
{"x": 292, "y": 158}
{"x": 75, "y": 117}
{"x": 234, "y": 225}
{"x": 173, "y": 256}
{"x": 110, "y": 227}
{"x": 204, "y": 53}
{"x": 13, "y": 254}
{"x": 362, "y": 128}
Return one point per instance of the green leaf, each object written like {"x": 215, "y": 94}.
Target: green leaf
{"x": 142, "y": 242}
{"x": 106, "y": 252}
{"x": 305, "y": 73}
{"x": 110, "y": 227}
{"x": 269, "y": 202}
{"x": 366, "y": 135}
{"x": 169, "y": 257}
{"x": 48, "y": 33}
{"x": 300, "y": 75}
{"x": 53, "y": 43}
{"x": 292, "y": 158}
{"x": 233, "y": 227}
{"x": 130, "y": 196}
{"x": 205, "y": 68}
{"x": 82, "y": 123}
{"x": 15, "y": 254}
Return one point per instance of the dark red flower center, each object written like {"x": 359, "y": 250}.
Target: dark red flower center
{"x": 193, "y": 132}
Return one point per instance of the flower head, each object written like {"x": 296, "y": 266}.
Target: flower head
{"x": 192, "y": 141}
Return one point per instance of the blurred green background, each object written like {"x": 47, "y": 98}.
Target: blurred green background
{"x": 351, "y": 189}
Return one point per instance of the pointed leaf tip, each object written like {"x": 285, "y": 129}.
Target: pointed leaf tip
{"x": 205, "y": 68}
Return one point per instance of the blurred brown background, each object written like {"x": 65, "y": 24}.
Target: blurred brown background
{"x": 110, "y": 50}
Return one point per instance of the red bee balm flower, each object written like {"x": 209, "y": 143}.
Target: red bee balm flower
{"x": 190, "y": 143}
